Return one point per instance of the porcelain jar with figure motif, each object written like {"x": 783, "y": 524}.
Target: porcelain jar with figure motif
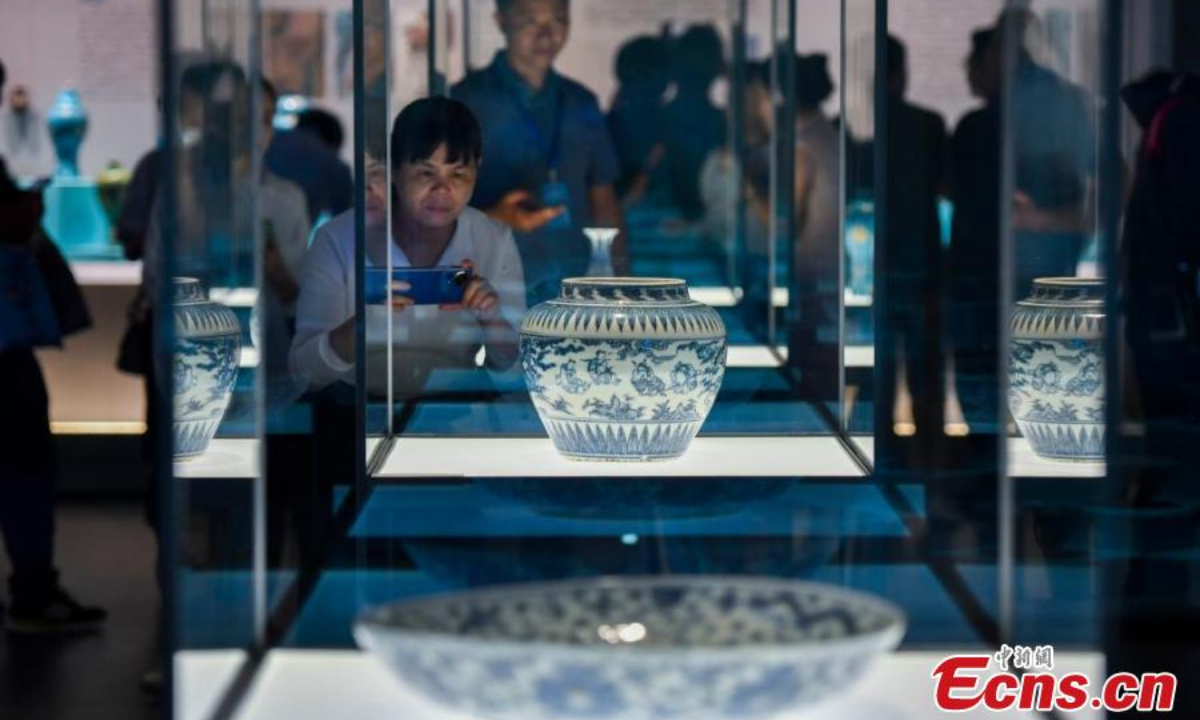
{"x": 204, "y": 366}
{"x": 1056, "y": 368}
{"x": 623, "y": 368}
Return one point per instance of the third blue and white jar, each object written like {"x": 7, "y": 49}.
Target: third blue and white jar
{"x": 623, "y": 368}
{"x": 1056, "y": 368}
{"x": 204, "y": 366}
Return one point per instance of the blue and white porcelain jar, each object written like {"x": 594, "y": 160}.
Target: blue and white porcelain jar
{"x": 623, "y": 368}
{"x": 1056, "y": 368}
{"x": 205, "y": 365}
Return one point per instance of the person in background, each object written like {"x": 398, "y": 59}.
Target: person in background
{"x": 1053, "y": 145}
{"x": 916, "y": 162}
{"x": 816, "y": 157}
{"x": 549, "y": 165}
{"x": 28, "y": 456}
{"x": 23, "y": 128}
{"x": 436, "y": 148}
{"x": 697, "y": 127}
{"x": 286, "y": 228}
{"x": 816, "y": 252}
{"x": 974, "y": 252}
{"x": 721, "y": 190}
{"x": 636, "y": 118}
{"x": 1055, "y": 156}
{"x": 324, "y": 125}
{"x": 1155, "y": 608}
{"x": 309, "y": 156}
{"x": 133, "y": 222}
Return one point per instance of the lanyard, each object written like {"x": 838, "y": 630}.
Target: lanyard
{"x": 548, "y": 147}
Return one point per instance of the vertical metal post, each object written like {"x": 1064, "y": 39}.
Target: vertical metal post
{"x": 1109, "y": 210}
{"x": 360, "y": 234}
{"x": 843, "y": 417}
{"x": 1005, "y": 499}
{"x": 783, "y": 169}
{"x": 433, "y": 48}
{"x": 259, "y": 500}
{"x": 171, "y": 497}
{"x": 885, "y": 353}
{"x": 466, "y": 36}
{"x": 382, "y": 10}
{"x": 737, "y": 275}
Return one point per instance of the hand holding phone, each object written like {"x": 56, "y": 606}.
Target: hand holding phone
{"x": 479, "y": 297}
{"x": 417, "y": 286}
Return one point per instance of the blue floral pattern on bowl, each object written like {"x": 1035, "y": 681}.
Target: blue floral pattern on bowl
{"x": 1056, "y": 369}
{"x": 623, "y": 368}
{"x": 634, "y": 648}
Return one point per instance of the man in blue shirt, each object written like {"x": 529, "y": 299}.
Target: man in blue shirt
{"x": 548, "y": 162}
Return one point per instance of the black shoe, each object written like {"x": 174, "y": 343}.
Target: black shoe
{"x": 151, "y": 683}
{"x": 57, "y": 615}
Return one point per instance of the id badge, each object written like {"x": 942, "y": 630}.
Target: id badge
{"x": 554, "y": 193}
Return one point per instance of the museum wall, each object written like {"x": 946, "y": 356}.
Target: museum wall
{"x": 104, "y": 48}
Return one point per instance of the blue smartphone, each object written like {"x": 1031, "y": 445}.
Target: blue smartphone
{"x": 554, "y": 194}
{"x": 442, "y": 285}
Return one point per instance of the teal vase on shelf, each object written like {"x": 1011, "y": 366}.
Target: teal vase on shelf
{"x": 68, "y": 123}
{"x": 860, "y": 248}
{"x": 75, "y": 217}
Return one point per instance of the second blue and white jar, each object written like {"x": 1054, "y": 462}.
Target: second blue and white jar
{"x": 204, "y": 366}
{"x": 623, "y": 368}
{"x": 1056, "y": 368}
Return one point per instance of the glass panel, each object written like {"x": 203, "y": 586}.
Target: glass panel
{"x": 933, "y": 294}
{"x": 204, "y": 264}
{"x": 676, "y": 210}
{"x": 308, "y": 189}
{"x": 856, "y": 94}
{"x": 373, "y": 210}
{"x": 858, "y": 223}
{"x": 1144, "y": 523}
{"x": 1056, "y": 368}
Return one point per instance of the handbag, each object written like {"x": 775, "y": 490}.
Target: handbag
{"x": 65, "y": 296}
{"x": 27, "y": 317}
{"x": 135, "y": 353}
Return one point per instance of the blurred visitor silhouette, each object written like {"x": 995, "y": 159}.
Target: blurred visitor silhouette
{"x": 697, "y": 127}
{"x": 636, "y": 119}
{"x": 549, "y": 166}
{"x": 42, "y": 304}
{"x": 309, "y": 155}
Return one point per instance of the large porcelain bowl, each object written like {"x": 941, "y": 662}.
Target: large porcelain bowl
{"x": 633, "y": 648}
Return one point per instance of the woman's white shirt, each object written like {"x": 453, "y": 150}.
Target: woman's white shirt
{"x": 423, "y": 337}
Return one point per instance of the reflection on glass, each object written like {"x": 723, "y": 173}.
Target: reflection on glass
{"x": 701, "y": 646}
{"x": 549, "y": 166}
{"x": 417, "y": 323}
{"x": 204, "y": 256}
{"x": 856, "y": 125}
{"x": 860, "y": 252}
{"x": 601, "y": 264}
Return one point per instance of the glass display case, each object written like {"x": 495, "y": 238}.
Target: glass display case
{"x": 583, "y": 233}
